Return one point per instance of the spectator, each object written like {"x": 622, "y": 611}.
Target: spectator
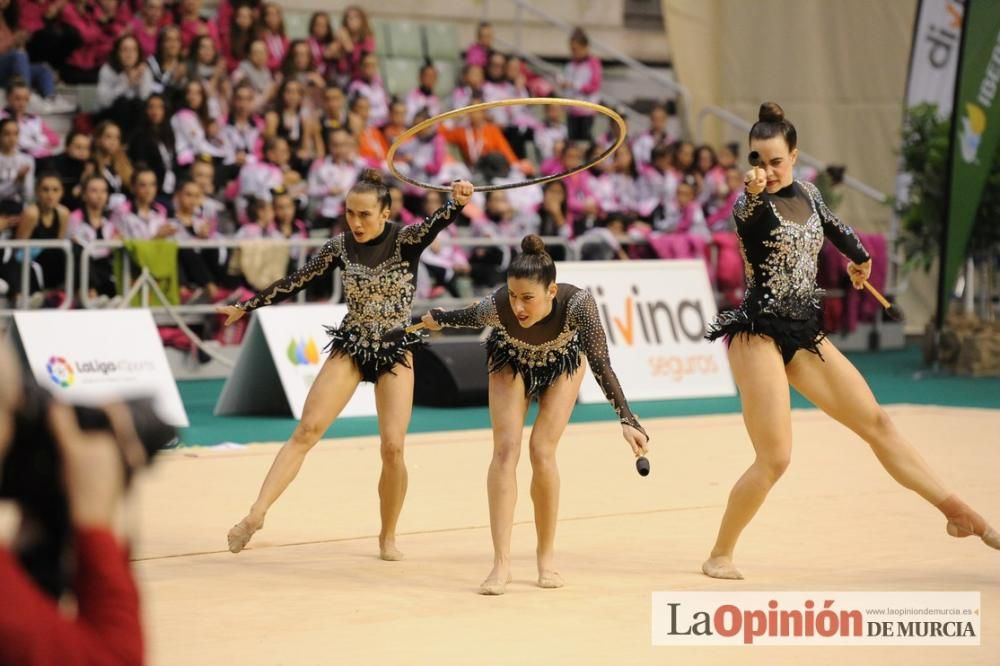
{"x": 300, "y": 66}
{"x": 356, "y": 39}
{"x": 258, "y": 179}
{"x": 423, "y": 96}
{"x": 14, "y": 61}
{"x": 396, "y": 124}
{"x": 323, "y": 44}
{"x": 167, "y": 65}
{"x": 551, "y": 132}
{"x": 153, "y": 143}
{"x": 110, "y": 161}
{"x": 142, "y": 217}
{"x": 371, "y": 142}
{"x": 212, "y": 209}
{"x": 98, "y": 25}
{"x": 50, "y": 40}
{"x": 332, "y": 177}
{"x": 123, "y": 84}
{"x": 35, "y": 137}
{"x": 710, "y": 179}
{"x": 195, "y": 131}
{"x": 554, "y": 215}
{"x": 480, "y": 138}
{"x": 721, "y": 219}
{"x": 581, "y": 201}
{"x": 691, "y": 219}
{"x": 46, "y": 219}
{"x": 583, "y": 82}
{"x": 90, "y": 223}
{"x": 479, "y": 52}
{"x": 243, "y": 134}
{"x": 70, "y": 165}
{"x": 290, "y": 121}
{"x": 197, "y": 266}
{"x": 287, "y": 225}
{"x": 206, "y": 66}
{"x": 106, "y": 627}
{"x": 521, "y": 124}
{"x": 658, "y": 187}
{"x": 260, "y": 219}
{"x": 615, "y": 186}
{"x": 473, "y": 79}
{"x": 146, "y": 26}
{"x": 334, "y": 112}
{"x": 271, "y": 30}
{"x": 445, "y": 263}
{"x": 237, "y": 39}
{"x": 17, "y": 175}
{"x": 194, "y": 25}
{"x": 254, "y": 70}
{"x": 654, "y": 135}
{"x": 422, "y": 157}
{"x": 369, "y": 84}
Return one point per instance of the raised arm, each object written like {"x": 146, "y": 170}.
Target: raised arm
{"x": 583, "y": 316}
{"x": 422, "y": 234}
{"x": 841, "y": 235}
{"x": 325, "y": 261}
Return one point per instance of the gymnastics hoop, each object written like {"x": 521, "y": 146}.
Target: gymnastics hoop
{"x": 483, "y": 106}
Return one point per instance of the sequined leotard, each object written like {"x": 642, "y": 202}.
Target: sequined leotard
{"x": 379, "y": 282}
{"x": 781, "y": 235}
{"x": 550, "y": 348}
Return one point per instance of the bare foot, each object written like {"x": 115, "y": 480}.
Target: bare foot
{"x": 721, "y": 567}
{"x": 240, "y": 533}
{"x": 550, "y": 579}
{"x": 388, "y": 551}
{"x": 496, "y": 583}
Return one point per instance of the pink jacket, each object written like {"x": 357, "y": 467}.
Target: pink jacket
{"x": 97, "y": 37}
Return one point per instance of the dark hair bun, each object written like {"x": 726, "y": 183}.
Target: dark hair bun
{"x": 770, "y": 112}
{"x": 371, "y": 176}
{"x": 533, "y": 244}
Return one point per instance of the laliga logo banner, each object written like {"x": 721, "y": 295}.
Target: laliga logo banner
{"x": 91, "y": 357}
{"x": 655, "y": 315}
{"x": 281, "y": 356}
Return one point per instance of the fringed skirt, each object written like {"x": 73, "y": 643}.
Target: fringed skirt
{"x": 539, "y": 368}
{"x": 790, "y": 335}
{"x": 372, "y": 357}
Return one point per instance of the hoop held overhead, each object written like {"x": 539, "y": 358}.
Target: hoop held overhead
{"x": 527, "y": 101}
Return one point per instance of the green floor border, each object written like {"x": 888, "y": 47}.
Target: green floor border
{"x": 895, "y": 376}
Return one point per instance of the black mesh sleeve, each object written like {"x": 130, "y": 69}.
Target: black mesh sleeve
{"x": 584, "y": 318}
{"x": 841, "y": 235}
{"x": 319, "y": 265}
{"x": 483, "y": 313}
{"x": 423, "y": 233}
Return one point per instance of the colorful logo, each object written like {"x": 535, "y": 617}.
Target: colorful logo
{"x": 60, "y": 371}
{"x": 303, "y": 352}
{"x": 973, "y": 126}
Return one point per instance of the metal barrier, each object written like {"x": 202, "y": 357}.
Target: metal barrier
{"x": 25, "y": 246}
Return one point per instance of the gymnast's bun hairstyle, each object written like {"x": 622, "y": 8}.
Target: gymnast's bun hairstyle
{"x": 534, "y": 262}
{"x": 771, "y": 123}
{"x": 371, "y": 180}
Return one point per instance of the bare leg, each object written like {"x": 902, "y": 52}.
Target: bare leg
{"x": 554, "y": 409}
{"x": 834, "y": 385}
{"x": 760, "y": 375}
{"x": 328, "y": 395}
{"x": 394, "y": 402}
{"x": 508, "y": 408}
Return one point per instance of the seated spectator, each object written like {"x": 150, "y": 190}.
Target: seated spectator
{"x": 287, "y": 224}
{"x": 260, "y": 219}
{"x": 691, "y": 219}
{"x": 90, "y": 223}
{"x": 291, "y": 121}
{"x": 721, "y": 219}
{"x": 243, "y": 134}
{"x": 521, "y": 124}
{"x": 259, "y": 178}
{"x": 17, "y": 175}
{"x": 50, "y": 40}
{"x": 212, "y": 209}
{"x": 153, "y": 143}
{"x": 196, "y": 132}
{"x": 142, "y": 217}
{"x": 237, "y": 38}
{"x": 369, "y": 85}
{"x": 194, "y": 25}
{"x": 46, "y": 219}
{"x": 356, "y": 39}
{"x": 480, "y": 138}
{"x": 583, "y": 208}
{"x": 655, "y": 135}
{"x": 445, "y": 264}
{"x": 710, "y": 179}
{"x": 551, "y": 132}
{"x": 300, "y": 66}
{"x": 323, "y": 44}
{"x": 205, "y": 65}
{"x": 70, "y": 165}
{"x": 14, "y": 61}
{"x": 35, "y": 137}
{"x": 473, "y": 78}
{"x": 615, "y": 185}
{"x": 372, "y": 147}
{"x": 582, "y": 80}
{"x": 332, "y": 177}
{"x": 423, "y": 96}
{"x": 198, "y": 267}
{"x": 110, "y": 161}
{"x": 657, "y": 187}
{"x": 422, "y": 157}
{"x": 333, "y": 114}
{"x": 554, "y": 215}
{"x": 146, "y": 25}
{"x": 167, "y": 65}
{"x": 271, "y": 30}
{"x": 479, "y": 52}
{"x": 254, "y": 70}
{"x": 123, "y": 84}
{"x": 99, "y": 25}
{"x": 396, "y": 124}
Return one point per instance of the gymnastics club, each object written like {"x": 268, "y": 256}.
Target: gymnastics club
{"x": 891, "y": 311}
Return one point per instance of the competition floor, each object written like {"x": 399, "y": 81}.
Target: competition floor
{"x": 310, "y": 589}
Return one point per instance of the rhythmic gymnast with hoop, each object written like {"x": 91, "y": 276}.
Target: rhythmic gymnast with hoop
{"x": 541, "y": 332}
{"x": 775, "y": 340}
{"x": 379, "y": 259}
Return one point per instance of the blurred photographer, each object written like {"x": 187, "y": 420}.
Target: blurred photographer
{"x": 35, "y": 627}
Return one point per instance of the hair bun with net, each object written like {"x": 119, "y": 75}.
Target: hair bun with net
{"x": 533, "y": 244}
{"x": 770, "y": 112}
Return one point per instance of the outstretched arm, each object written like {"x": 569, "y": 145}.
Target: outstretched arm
{"x": 325, "y": 261}
{"x": 482, "y": 314}
{"x": 584, "y": 318}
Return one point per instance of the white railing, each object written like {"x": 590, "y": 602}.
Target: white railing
{"x": 25, "y": 247}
